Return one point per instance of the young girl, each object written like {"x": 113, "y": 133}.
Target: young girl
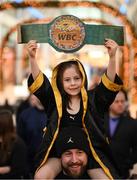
{"x": 67, "y": 102}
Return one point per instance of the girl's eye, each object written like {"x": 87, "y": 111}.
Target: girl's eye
{"x": 77, "y": 78}
{"x": 66, "y": 80}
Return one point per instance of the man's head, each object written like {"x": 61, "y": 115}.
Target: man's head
{"x": 119, "y": 106}
{"x": 73, "y": 148}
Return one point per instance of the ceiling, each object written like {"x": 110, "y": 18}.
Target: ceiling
{"x": 14, "y": 16}
{"x": 11, "y": 17}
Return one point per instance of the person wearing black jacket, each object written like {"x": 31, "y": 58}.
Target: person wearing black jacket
{"x": 121, "y": 130}
{"x": 13, "y": 152}
{"x": 67, "y": 101}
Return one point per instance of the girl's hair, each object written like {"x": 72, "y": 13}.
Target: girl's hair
{"x": 61, "y": 68}
{"x": 7, "y": 134}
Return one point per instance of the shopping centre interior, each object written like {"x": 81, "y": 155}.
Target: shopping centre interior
{"x": 14, "y": 66}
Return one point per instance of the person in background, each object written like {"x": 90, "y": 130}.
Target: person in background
{"x": 7, "y": 106}
{"x": 31, "y": 123}
{"x": 121, "y": 129}
{"x": 67, "y": 102}
{"x": 21, "y": 106}
{"x": 73, "y": 149}
{"x": 13, "y": 152}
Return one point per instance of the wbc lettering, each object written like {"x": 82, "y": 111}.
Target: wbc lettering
{"x": 65, "y": 36}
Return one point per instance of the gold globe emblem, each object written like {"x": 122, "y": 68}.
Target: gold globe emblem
{"x": 67, "y": 33}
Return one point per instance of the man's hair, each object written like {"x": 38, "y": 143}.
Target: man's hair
{"x": 125, "y": 93}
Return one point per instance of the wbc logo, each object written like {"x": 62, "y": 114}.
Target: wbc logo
{"x": 67, "y": 32}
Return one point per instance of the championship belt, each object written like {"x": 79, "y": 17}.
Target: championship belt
{"x": 68, "y": 33}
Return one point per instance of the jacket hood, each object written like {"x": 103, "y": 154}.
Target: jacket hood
{"x": 57, "y": 94}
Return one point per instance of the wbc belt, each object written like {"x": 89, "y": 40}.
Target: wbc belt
{"x": 67, "y": 33}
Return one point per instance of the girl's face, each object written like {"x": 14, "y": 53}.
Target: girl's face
{"x": 72, "y": 81}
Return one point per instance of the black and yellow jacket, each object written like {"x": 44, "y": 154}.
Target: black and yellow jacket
{"x": 95, "y": 103}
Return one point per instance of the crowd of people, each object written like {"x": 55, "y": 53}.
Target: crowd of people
{"x": 65, "y": 130}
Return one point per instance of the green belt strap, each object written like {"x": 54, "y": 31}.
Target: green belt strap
{"x": 94, "y": 34}
{"x": 39, "y": 32}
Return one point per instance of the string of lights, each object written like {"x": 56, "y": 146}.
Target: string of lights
{"x": 103, "y": 7}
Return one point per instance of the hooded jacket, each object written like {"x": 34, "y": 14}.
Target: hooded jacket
{"x": 95, "y": 103}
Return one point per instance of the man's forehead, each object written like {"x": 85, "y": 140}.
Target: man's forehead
{"x": 73, "y": 150}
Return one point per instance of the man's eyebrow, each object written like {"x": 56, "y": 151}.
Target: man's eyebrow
{"x": 80, "y": 150}
{"x": 67, "y": 151}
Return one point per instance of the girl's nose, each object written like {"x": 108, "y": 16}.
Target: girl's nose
{"x": 72, "y": 81}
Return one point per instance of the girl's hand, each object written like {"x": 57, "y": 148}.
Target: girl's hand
{"x": 111, "y": 47}
{"x": 32, "y": 48}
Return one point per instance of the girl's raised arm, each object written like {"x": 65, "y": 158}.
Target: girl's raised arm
{"x": 112, "y": 48}
{"x": 32, "y": 49}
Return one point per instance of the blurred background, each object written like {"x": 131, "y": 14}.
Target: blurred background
{"x": 14, "y": 66}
